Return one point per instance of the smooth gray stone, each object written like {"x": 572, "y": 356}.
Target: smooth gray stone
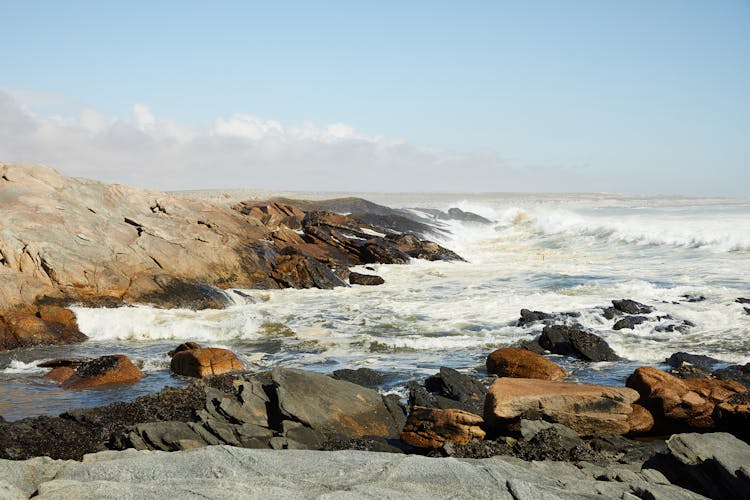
{"x": 228, "y": 472}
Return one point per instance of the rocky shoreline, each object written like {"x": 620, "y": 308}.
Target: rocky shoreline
{"x": 70, "y": 241}
{"x": 522, "y": 431}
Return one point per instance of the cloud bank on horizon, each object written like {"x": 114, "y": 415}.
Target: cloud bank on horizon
{"x": 245, "y": 151}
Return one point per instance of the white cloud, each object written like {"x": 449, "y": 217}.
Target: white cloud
{"x": 251, "y": 152}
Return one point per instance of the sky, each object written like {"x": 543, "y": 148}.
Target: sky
{"x": 630, "y": 96}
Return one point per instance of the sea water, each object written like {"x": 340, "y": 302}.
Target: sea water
{"x": 554, "y": 253}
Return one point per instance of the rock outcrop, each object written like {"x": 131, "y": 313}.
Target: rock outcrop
{"x": 65, "y": 240}
{"x": 520, "y": 363}
{"x": 589, "y": 410}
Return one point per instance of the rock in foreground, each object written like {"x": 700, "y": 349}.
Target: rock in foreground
{"x": 228, "y": 472}
{"x": 589, "y": 410}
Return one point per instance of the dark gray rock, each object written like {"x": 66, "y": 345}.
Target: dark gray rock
{"x": 631, "y": 307}
{"x": 738, "y": 373}
{"x": 611, "y": 312}
{"x": 457, "y": 386}
{"x": 742, "y": 301}
{"x": 530, "y": 345}
{"x": 398, "y": 412}
{"x": 699, "y": 361}
{"x": 692, "y": 298}
{"x": 422, "y": 249}
{"x": 530, "y": 317}
{"x": 567, "y": 436}
{"x": 575, "y": 341}
{"x": 365, "y": 279}
{"x": 716, "y": 464}
{"x": 331, "y": 407}
{"x": 629, "y": 322}
{"x": 365, "y": 377}
{"x": 458, "y": 214}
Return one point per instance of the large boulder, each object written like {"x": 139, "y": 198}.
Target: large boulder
{"x": 430, "y": 428}
{"x": 678, "y": 404}
{"x": 203, "y": 362}
{"x": 573, "y": 340}
{"x": 589, "y": 410}
{"x": 520, "y": 363}
{"x": 106, "y": 370}
{"x": 331, "y": 407}
{"x": 45, "y": 325}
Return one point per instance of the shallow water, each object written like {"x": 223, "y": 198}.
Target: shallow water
{"x": 549, "y": 252}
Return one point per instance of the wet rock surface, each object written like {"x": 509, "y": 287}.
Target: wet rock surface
{"x": 576, "y": 341}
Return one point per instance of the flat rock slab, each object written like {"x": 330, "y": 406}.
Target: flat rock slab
{"x": 332, "y": 407}
{"x": 228, "y": 472}
{"x": 587, "y": 409}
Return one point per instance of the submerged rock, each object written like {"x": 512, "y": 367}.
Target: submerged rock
{"x": 106, "y": 370}
{"x": 631, "y": 307}
{"x": 630, "y": 322}
{"x": 520, "y": 363}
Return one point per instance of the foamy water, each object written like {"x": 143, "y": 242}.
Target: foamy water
{"x": 549, "y": 253}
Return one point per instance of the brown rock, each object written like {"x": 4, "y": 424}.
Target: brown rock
{"x": 365, "y": 279}
{"x": 430, "y": 428}
{"x": 204, "y": 362}
{"x": 641, "y": 421}
{"x": 186, "y": 346}
{"x": 107, "y": 370}
{"x": 521, "y": 363}
{"x": 679, "y": 405}
{"x": 25, "y": 329}
{"x": 589, "y": 410}
{"x": 60, "y": 373}
{"x": 299, "y": 271}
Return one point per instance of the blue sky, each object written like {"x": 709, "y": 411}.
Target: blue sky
{"x": 630, "y": 96}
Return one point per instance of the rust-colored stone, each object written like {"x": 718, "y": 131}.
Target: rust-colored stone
{"x": 520, "y": 363}
{"x": 641, "y": 421}
{"x": 589, "y": 410}
{"x": 60, "y": 374}
{"x": 107, "y": 370}
{"x": 678, "y": 404}
{"x": 430, "y": 428}
{"x": 204, "y": 362}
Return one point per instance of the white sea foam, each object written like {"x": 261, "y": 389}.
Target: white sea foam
{"x": 144, "y": 323}
{"x": 20, "y": 367}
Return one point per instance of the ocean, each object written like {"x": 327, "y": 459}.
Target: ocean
{"x": 687, "y": 258}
